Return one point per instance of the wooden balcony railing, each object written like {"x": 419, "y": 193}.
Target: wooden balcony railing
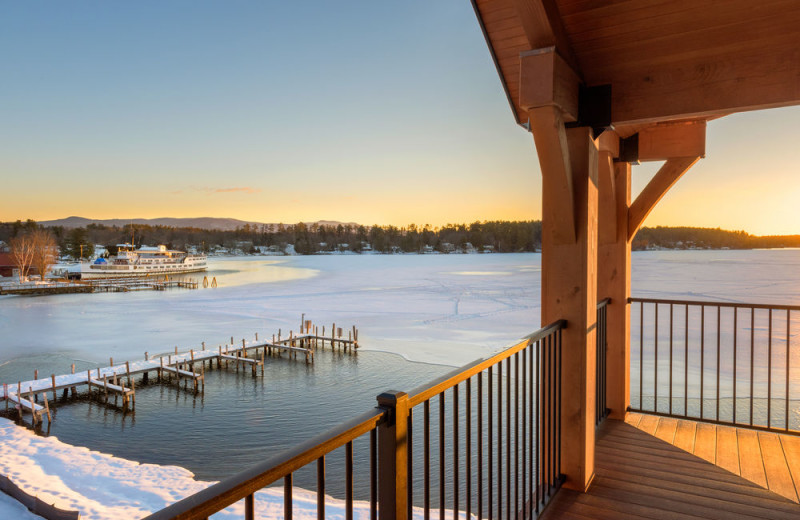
{"x": 724, "y": 363}
{"x": 505, "y": 464}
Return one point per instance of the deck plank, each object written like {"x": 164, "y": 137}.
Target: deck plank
{"x": 751, "y": 461}
{"x": 633, "y": 419}
{"x": 667, "y": 427}
{"x": 778, "y": 477}
{"x": 727, "y": 449}
{"x": 791, "y": 449}
{"x": 684, "y": 435}
{"x": 648, "y": 424}
{"x": 705, "y": 442}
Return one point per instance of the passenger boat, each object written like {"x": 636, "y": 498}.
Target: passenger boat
{"x": 144, "y": 261}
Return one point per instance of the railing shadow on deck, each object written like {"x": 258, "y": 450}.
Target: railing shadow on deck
{"x": 508, "y": 408}
{"x": 724, "y": 363}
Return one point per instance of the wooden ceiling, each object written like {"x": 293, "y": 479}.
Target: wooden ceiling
{"x": 665, "y": 60}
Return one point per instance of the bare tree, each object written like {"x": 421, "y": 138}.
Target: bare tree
{"x": 22, "y": 255}
{"x": 44, "y": 251}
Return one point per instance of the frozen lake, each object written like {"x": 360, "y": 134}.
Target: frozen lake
{"x": 418, "y": 316}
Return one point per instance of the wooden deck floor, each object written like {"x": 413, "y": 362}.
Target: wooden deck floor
{"x": 662, "y": 468}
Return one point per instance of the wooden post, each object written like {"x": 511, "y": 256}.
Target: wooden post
{"x": 128, "y": 371}
{"x": 568, "y": 159}
{"x": 176, "y": 350}
{"x": 614, "y": 278}
{"x": 73, "y": 368}
{"x": 31, "y": 401}
{"x": 393, "y": 457}
{"x": 47, "y": 408}
{"x": 19, "y": 398}
{"x": 204, "y": 345}
{"x": 53, "y": 379}
{"x": 111, "y": 361}
{"x": 146, "y": 357}
{"x": 105, "y": 386}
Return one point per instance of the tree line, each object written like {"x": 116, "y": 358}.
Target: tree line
{"x": 487, "y": 236}
{"x": 496, "y": 236}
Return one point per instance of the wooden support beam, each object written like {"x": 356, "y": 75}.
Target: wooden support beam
{"x": 672, "y": 170}
{"x": 543, "y": 27}
{"x": 614, "y": 281}
{"x": 550, "y": 137}
{"x": 546, "y": 79}
{"x": 569, "y": 291}
{"x": 707, "y": 83}
{"x": 665, "y": 140}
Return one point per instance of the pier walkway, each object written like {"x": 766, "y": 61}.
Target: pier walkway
{"x": 189, "y": 365}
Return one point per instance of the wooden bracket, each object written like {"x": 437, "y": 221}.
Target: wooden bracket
{"x": 672, "y": 170}
{"x": 608, "y": 145}
{"x": 549, "y": 134}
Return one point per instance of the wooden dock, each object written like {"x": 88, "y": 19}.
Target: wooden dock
{"x": 119, "y": 381}
{"x": 129, "y": 284}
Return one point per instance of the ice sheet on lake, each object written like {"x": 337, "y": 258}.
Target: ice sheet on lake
{"x": 436, "y": 308}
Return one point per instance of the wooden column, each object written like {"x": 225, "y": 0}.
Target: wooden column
{"x": 614, "y": 275}
{"x": 568, "y": 159}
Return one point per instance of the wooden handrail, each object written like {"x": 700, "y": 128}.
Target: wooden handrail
{"x": 219, "y": 496}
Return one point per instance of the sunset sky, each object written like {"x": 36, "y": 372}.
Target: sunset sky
{"x": 364, "y": 111}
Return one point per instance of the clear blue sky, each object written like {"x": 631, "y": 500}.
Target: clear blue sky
{"x": 375, "y": 112}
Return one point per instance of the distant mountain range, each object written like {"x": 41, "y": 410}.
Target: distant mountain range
{"x": 224, "y": 224}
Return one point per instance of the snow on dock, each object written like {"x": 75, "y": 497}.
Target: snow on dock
{"x": 119, "y": 380}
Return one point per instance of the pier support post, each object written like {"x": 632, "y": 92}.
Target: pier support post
{"x": 393, "y": 457}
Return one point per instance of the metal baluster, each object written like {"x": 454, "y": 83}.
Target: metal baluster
{"x": 788, "y": 336}
{"x": 468, "y": 450}
{"x": 641, "y": 353}
{"x": 348, "y": 483}
{"x": 719, "y": 314}
{"x": 500, "y": 440}
{"x": 373, "y": 472}
{"x": 539, "y": 435}
{"x": 686, "y": 363}
{"x": 480, "y": 446}
{"x": 287, "y": 497}
{"x": 489, "y": 446}
{"x": 508, "y": 438}
{"x": 735, "y": 348}
{"x": 249, "y": 507}
{"x": 516, "y": 434}
{"x": 427, "y": 464}
{"x": 441, "y": 455}
{"x": 702, "y": 355}
{"x": 769, "y": 371}
{"x": 409, "y": 463}
{"x": 671, "y": 328}
{"x": 524, "y": 428}
{"x": 752, "y": 348}
{"x": 321, "y": 488}
{"x": 655, "y": 362}
{"x": 455, "y": 451}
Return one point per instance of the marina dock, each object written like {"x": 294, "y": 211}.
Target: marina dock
{"x": 188, "y": 366}
{"x": 128, "y": 284}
